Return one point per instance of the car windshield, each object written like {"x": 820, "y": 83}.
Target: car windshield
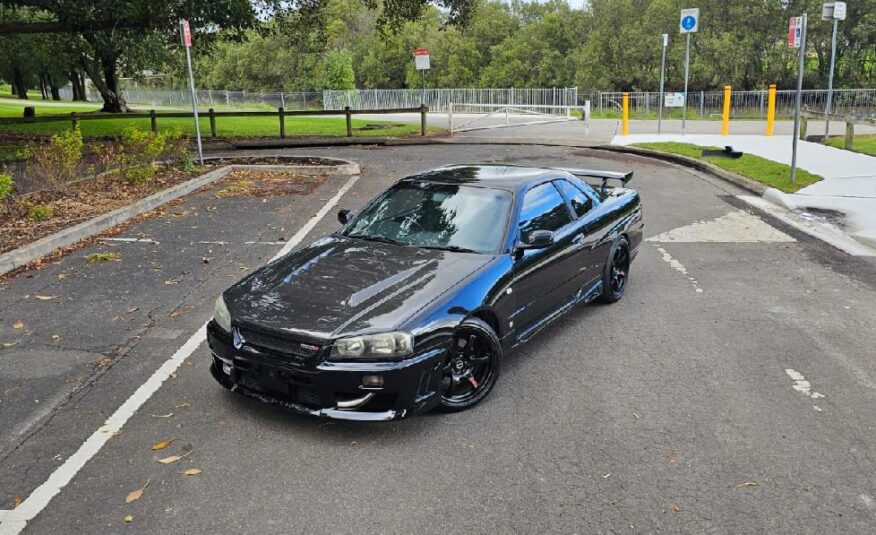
{"x": 438, "y": 216}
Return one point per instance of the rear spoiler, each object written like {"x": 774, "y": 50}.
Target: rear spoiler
{"x": 604, "y": 176}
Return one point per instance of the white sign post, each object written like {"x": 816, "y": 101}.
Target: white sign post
{"x": 662, "y": 76}
{"x": 688, "y": 24}
{"x": 422, "y": 63}
{"x": 186, "y": 35}
{"x": 835, "y": 11}
{"x": 797, "y": 39}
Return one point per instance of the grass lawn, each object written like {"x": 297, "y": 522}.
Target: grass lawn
{"x": 865, "y": 144}
{"x": 6, "y": 91}
{"x": 768, "y": 172}
{"x": 15, "y": 108}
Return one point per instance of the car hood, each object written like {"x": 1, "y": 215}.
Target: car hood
{"x": 342, "y": 285}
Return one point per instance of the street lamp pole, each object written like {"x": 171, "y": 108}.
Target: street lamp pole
{"x": 662, "y": 77}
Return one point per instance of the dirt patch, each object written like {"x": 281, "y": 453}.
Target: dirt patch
{"x": 250, "y": 183}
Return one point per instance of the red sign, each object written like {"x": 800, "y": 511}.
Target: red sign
{"x": 421, "y": 52}
{"x": 186, "y": 33}
{"x": 795, "y": 31}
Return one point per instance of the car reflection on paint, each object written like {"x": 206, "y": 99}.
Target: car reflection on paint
{"x": 413, "y": 302}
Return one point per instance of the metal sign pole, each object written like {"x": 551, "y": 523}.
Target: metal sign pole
{"x": 827, "y": 108}
{"x": 800, "y": 66}
{"x": 187, "y": 45}
{"x": 686, "y": 74}
{"x": 662, "y": 77}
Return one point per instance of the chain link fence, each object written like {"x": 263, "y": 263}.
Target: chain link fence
{"x": 743, "y": 104}
{"x": 438, "y": 100}
{"x": 213, "y": 98}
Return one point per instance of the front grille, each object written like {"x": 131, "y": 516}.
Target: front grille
{"x": 279, "y": 345}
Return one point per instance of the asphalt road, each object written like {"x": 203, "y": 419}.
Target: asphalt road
{"x": 733, "y": 389}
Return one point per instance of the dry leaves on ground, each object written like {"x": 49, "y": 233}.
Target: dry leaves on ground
{"x": 161, "y": 445}
{"x": 135, "y": 495}
{"x": 192, "y": 471}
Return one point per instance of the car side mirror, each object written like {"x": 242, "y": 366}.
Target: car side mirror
{"x": 345, "y": 216}
{"x": 538, "y": 239}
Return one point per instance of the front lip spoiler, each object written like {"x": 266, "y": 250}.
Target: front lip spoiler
{"x": 335, "y": 414}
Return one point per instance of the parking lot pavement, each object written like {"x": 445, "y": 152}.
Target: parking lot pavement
{"x": 731, "y": 390}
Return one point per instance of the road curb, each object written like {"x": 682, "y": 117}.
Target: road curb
{"x": 744, "y": 182}
{"x": 31, "y": 252}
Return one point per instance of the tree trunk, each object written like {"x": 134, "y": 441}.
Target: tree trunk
{"x": 53, "y": 87}
{"x": 77, "y": 86}
{"x": 18, "y": 83}
{"x": 43, "y": 89}
{"x": 113, "y": 101}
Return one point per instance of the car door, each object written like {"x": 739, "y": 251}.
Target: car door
{"x": 542, "y": 276}
{"x": 588, "y": 257}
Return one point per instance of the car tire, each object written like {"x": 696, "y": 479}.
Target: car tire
{"x": 484, "y": 373}
{"x": 616, "y": 273}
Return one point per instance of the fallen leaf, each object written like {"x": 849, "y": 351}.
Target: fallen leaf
{"x": 181, "y": 405}
{"x": 171, "y": 459}
{"x": 136, "y": 494}
{"x": 129, "y": 518}
{"x": 674, "y": 508}
{"x": 636, "y": 416}
{"x": 61, "y": 276}
{"x": 172, "y": 376}
{"x": 16, "y": 502}
{"x": 606, "y": 476}
{"x": 747, "y": 484}
{"x": 134, "y": 309}
{"x": 161, "y": 445}
{"x": 168, "y": 415}
{"x": 56, "y": 337}
{"x": 46, "y": 297}
{"x": 175, "y": 313}
{"x": 106, "y": 361}
{"x": 18, "y": 325}
{"x": 192, "y": 471}
{"x": 171, "y": 282}
{"x": 10, "y": 344}
{"x": 671, "y": 458}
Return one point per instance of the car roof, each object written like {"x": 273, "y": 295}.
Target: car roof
{"x": 507, "y": 177}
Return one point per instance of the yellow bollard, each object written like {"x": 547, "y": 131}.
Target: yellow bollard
{"x": 625, "y": 117}
{"x": 771, "y": 111}
{"x": 725, "y": 117}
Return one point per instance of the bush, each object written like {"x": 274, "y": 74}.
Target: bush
{"x": 176, "y": 150}
{"x": 138, "y": 151}
{"x": 55, "y": 164}
{"x": 39, "y": 212}
{"x": 6, "y": 186}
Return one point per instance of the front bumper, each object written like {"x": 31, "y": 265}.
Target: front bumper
{"x": 324, "y": 388}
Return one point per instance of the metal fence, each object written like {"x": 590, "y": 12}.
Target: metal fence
{"x": 438, "y": 100}
{"x": 743, "y": 104}
{"x": 216, "y": 98}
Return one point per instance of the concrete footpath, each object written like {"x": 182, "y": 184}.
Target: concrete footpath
{"x": 849, "y": 185}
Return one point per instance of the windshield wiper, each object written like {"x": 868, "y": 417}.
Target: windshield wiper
{"x": 454, "y": 248}
{"x": 382, "y": 239}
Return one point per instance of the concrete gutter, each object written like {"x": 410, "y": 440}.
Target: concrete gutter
{"x": 31, "y": 252}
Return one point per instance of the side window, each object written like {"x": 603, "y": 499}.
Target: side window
{"x": 581, "y": 203}
{"x": 543, "y": 209}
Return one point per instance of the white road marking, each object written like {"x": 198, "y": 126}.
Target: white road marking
{"x": 14, "y": 521}
{"x": 131, "y": 240}
{"x": 264, "y": 243}
{"x": 735, "y": 227}
{"x": 802, "y": 385}
{"x": 678, "y": 266}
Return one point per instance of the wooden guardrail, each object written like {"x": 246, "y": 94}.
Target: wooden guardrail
{"x": 212, "y": 114}
{"x": 850, "y": 120}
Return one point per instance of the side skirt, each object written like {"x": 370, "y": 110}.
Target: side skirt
{"x": 581, "y": 297}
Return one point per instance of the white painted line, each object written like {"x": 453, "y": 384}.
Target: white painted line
{"x": 212, "y": 243}
{"x": 802, "y": 385}
{"x": 131, "y": 240}
{"x": 679, "y": 267}
{"x": 13, "y": 522}
{"x": 264, "y": 243}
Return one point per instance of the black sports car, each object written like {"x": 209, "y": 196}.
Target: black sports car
{"x": 413, "y": 303}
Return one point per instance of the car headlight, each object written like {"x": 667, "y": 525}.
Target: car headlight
{"x": 374, "y": 346}
{"x": 221, "y": 315}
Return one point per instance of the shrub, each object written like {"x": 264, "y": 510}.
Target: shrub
{"x": 176, "y": 149}
{"x": 55, "y": 164}
{"x": 39, "y": 212}
{"x": 139, "y": 150}
{"x": 6, "y": 186}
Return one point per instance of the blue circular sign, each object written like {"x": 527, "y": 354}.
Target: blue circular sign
{"x": 688, "y": 22}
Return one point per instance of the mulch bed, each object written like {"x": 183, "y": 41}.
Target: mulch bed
{"x": 249, "y": 183}
{"x": 82, "y": 201}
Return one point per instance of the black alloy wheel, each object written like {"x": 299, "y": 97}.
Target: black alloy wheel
{"x": 617, "y": 271}
{"x": 472, "y": 366}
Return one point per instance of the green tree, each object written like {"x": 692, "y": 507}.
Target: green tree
{"x": 337, "y": 72}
